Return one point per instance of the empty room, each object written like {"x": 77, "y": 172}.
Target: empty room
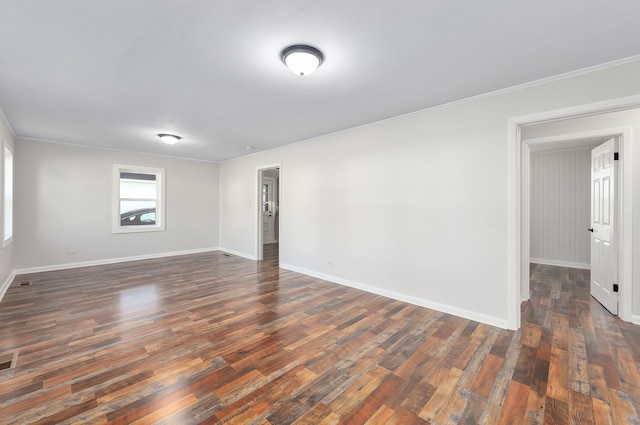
{"x": 241, "y": 212}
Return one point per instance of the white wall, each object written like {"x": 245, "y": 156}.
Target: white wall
{"x": 6, "y": 253}
{"x": 64, "y": 195}
{"x": 560, "y": 208}
{"x": 414, "y": 207}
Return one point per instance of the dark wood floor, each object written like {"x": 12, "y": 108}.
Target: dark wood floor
{"x": 213, "y": 338}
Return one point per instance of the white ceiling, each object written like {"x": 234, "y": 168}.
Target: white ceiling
{"x": 114, "y": 73}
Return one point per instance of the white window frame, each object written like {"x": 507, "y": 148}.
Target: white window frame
{"x": 160, "y": 199}
{"x": 7, "y": 207}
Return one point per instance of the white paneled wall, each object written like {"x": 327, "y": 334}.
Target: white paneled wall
{"x": 560, "y": 215}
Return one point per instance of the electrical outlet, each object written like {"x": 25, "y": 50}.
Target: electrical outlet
{"x": 71, "y": 252}
{"x": 330, "y": 263}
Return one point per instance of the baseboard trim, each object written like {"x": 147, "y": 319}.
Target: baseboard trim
{"x": 635, "y": 319}
{"x": 471, "y": 315}
{"x": 239, "y": 254}
{"x": 55, "y": 267}
{"x": 569, "y": 264}
{"x": 6, "y": 284}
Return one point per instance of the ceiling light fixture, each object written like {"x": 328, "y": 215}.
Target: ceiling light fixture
{"x": 169, "y": 139}
{"x": 302, "y": 59}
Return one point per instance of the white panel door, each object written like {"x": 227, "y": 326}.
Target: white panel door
{"x": 268, "y": 209}
{"x": 604, "y": 273}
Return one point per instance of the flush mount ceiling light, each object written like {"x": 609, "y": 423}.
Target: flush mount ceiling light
{"x": 302, "y": 59}
{"x": 169, "y": 139}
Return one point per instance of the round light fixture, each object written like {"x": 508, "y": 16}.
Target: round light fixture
{"x": 302, "y": 59}
{"x": 169, "y": 139}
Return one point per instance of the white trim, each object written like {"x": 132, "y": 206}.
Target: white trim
{"x": 104, "y": 148}
{"x": 514, "y": 245}
{"x": 7, "y": 283}
{"x": 525, "y": 214}
{"x": 471, "y": 315}
{"x": 239, "y": 254}
{"x": 635, "y": 319}
{"x": 588, "y": 136}
{"x": 55, "y": 267}
{"x": 7, "y": 124}
{"x": 516, "y": 228}
{"x": 589, "y": 109}
{"x": 560, "y": 263}
{"x": 625, "y": 248}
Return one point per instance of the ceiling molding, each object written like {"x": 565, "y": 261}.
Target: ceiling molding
{"x": 7, "y": 124}
{"x": 106, "y": 148}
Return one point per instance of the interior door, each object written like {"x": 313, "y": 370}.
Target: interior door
{"x": 268, "y": 209}
{"x": 604, "y": 273}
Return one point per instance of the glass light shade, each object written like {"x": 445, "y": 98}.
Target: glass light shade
{"x": 301, "y": 59}
{"x": 302, "y": 63}
{"x": 169, "y": 139}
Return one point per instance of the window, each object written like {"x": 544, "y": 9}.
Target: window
{"x": 265, "y": 197}
{"x": 138, "y": 199}
{"x": 8, "y": 196}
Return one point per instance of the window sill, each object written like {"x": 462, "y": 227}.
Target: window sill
{"x": 138, "y": 229}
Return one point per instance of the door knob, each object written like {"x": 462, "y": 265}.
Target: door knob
{"x": 591, "y": 230}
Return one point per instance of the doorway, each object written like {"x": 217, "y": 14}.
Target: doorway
{"x": 269, "y": 214}
{"x": 562, "y": 210}
{"x": 519, "y": 201}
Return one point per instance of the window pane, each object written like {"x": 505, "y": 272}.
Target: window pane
{"x": 129, "y": 206}
{"x": 130, "y": 188}
{"x": 8, "y": 194}
{"x": 137, "y": 213}
{"x": 137, "y": 176}
{"x": 265, "y": 197}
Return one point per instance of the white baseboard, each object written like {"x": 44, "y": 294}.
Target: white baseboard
{"x": 471, "y": 315}
{"x": 635, "y": 319}
{"x": 65, "y": 266}
{"x": 239, "y": 254}
{"x": 569, "y": 264}
{"x": 6, "y": 284}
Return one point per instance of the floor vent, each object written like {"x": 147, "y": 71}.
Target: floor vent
{"x": 8, "y": 364}
{"x": 226, "y": 255}
{"x": 26, "y": 283}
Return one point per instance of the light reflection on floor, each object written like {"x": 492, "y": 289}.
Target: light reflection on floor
{"x": 144, "y": 297}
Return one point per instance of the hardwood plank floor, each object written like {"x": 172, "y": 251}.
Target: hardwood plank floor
{"x": 213, "y": 338}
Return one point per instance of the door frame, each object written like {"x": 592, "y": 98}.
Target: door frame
{"x": 258, "y": 209}
{"x": 518, "y": 202}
